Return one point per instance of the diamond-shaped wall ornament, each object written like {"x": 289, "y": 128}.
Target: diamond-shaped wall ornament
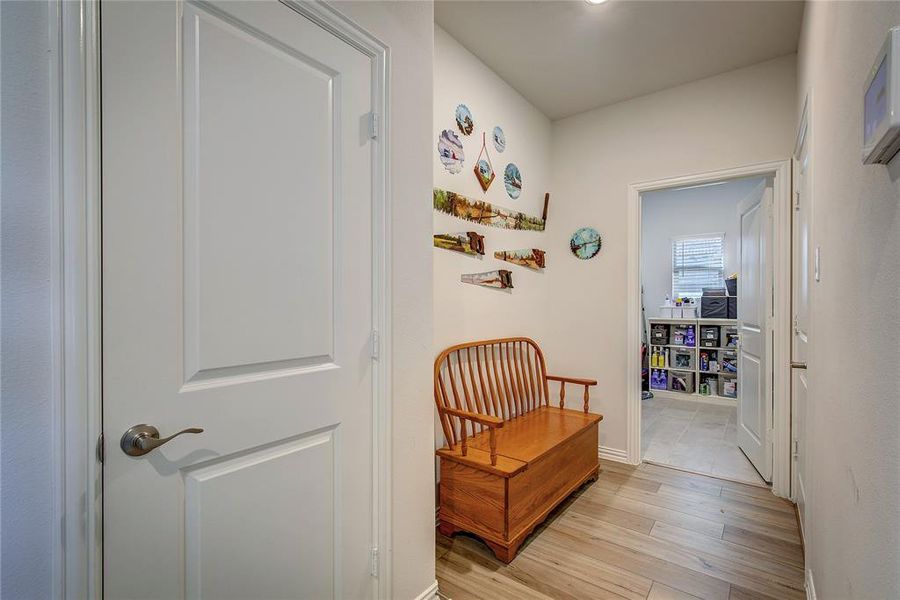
{"x": 484, "y": 170}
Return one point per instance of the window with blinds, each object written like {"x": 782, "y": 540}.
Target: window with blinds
{"x": 697, "y": 262}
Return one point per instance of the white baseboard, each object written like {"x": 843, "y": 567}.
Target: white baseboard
{"x": 810, "y": 586}
{"x": 695, "y": 397}
{"x": 613, "y": 454}
{"x": 431, "y": 593}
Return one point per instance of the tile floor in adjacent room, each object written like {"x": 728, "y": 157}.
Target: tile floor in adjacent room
{"x": 694, "y": 436}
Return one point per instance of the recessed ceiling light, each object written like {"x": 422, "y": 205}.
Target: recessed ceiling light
{"x": 595, "y": 1}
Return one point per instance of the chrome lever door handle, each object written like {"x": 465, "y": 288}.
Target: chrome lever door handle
{"x": 798, "y": 365}
{"x": 141, "y": 439}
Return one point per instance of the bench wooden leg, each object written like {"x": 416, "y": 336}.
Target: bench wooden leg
{"x": 447, "y": 529}
{"x": 504, "y": 554}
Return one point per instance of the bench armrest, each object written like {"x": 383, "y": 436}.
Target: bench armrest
{"x": 486, "y": 420}
{"x": 492, "y": 423}
{"x": 575, "y": 380}
{"x": 587, "y": 383}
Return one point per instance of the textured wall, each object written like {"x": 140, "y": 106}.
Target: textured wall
{"x": 27, "y": 250}
{"x": 739, "y": 118}
{"x": 465, "y": 312}
{"x": 853, "y": 421}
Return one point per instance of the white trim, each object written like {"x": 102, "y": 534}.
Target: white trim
{"x": 781, "y": 170}
{"x": 781, "y": 331}
{"x": 810, "y": 586}
{"x": 715, "y": 400}
{"x": 77, "y": 562}
{"x": 430, "y": 593}
{"x": 57, "y": 317}
{"x": 613, "y": 454}
{"x": 633, "y": 333}
{"x": 78, "y": 568}
{"x": 804, "y": 136}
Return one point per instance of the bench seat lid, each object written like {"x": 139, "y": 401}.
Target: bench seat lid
{"x": 531, "y": 436}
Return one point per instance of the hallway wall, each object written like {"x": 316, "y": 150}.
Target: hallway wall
{"x": 462, "y": 311}
{"x": 853, "y": 425}
{"x": 738, "y": 118}
{"x": 29, "y": 397}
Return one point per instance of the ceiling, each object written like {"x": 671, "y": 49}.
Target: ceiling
{"x": 566, "y": 57}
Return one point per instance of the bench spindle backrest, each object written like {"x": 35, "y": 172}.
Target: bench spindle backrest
{"x": 503, "y": 378}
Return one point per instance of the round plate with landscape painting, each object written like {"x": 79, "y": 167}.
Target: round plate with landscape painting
{"x": 512, "y": 179}
{"x": 464, "y": 119}
{"x": 585, "y": 243}
{"x": 499, "y": 139}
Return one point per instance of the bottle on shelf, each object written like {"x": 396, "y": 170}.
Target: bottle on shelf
{"x": 689, "y": 336}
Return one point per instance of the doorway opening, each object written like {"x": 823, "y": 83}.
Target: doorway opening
{"x": 709, "y": 377}
{"x": 698, "y": 242}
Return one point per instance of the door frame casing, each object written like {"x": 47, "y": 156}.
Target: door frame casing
{"x": 782, "y": 185}
{"x": 77, "y": 556}
{"x": 804, "y": 138}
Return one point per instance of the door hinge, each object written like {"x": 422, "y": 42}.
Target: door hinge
{"x": 373, "y": 126}
{"x": 376, "y": 344}
{"x": 375, "y": 561}
{"x": 100, "y": 448}
{"x": 795, "y": 450}
{"x": 796, "y": 200}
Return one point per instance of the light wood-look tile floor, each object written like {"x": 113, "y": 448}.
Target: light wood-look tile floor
{"x": 642, "y": 532}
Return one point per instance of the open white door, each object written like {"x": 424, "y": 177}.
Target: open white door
{"x": 237, "y": 298}
{"x": 802, "y": 274}
{"x": 755, "y": 410}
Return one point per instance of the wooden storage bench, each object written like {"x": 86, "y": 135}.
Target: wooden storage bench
{"x": 510, "y": 457}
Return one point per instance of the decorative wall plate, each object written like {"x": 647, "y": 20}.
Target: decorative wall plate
{"x": 484, "y": 170}
{"x": 450, "y": 149}
{"x": 464, "y": 119}
{"x": 585, "y": 243}
{"x": 485, "y": 173}
{"x": 497, "y": 279}
{"x": 512, "y": 179}
{"x": 532, "y": 258}
{"x": 484, "y": 213}
{"x": 499, "y": 139}
{"x": 467, "y": 242}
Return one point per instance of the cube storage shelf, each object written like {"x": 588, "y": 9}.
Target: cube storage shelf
{"x": 690, "y": 355}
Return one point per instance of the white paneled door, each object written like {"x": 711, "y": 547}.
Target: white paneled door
{"x": 237, "y": 299}
{"x": 755, "y": 305}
